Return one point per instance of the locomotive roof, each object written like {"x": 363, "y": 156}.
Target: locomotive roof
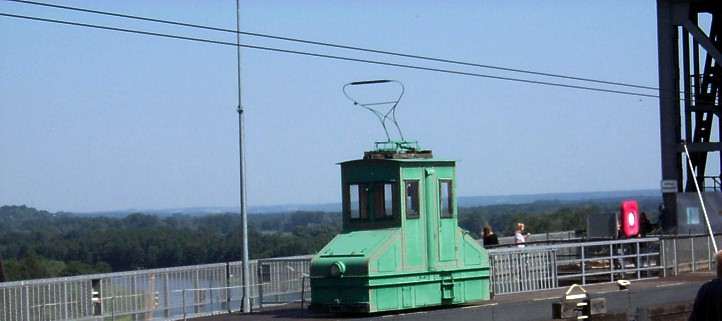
{"x": 400, "y": 160}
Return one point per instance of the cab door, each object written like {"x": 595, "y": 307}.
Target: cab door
{"x": 431, "y": 206}
{"x": 447, "y": 220}
{"x": 440, "y": 218}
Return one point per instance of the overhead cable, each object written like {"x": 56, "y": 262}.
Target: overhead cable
{"x": 340, "y": 46}
{"x": 311, "y": 54}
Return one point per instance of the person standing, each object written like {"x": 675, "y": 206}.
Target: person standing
{"x": 519, "y": 236}
{"x": 2, "y": 270}
{"x": 489, "y": 236}
{"x": 645, "y": 226}
{"x": 707, "y": 305}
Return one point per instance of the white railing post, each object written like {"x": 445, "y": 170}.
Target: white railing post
{"x": 611, "y": 262}
{"x": 27, "y": 303}
{"x": 166, "y": 295}
{"x": 674, "y": 254}
{"x": 228, "y": 289}
{"x": 694, "y": 261}
{"x": 663, "y": 257}
{"x": 303, "y": 291}
{"x": 639, "y": 263}
{"x": 112, "y": 303}
{"x": 196, "y": 295}
{"x": 183, "y": 293}
{"x": 65, "y": 301}
{"x": 709, "y": 254}
{"x": 584, "y": 271}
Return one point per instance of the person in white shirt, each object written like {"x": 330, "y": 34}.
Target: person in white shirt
{"x": 519, "y": 236}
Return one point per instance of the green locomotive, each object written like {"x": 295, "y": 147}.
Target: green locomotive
{"x": 400, "y": 247}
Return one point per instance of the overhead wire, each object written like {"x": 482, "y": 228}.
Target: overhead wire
{"x": 340, "y": 46}
{"x": 327, "y": 56}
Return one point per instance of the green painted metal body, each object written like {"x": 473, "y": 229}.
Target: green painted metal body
{"x": 402, "y": 250}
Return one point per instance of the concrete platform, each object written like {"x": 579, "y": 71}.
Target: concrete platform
{"x": 655, "y": 299}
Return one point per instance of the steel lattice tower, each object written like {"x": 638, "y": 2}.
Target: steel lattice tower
{"x": 689, "y": 109}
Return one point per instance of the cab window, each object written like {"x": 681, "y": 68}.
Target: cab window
{"x": 411, "y": 199}
{"x": 446, "y": 198}
{"x": 357, "y": 201}
{"x": 384, "y": 201}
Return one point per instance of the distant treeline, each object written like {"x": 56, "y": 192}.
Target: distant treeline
{"x": 38, "y": 244}
{"x": 545, "y": 216}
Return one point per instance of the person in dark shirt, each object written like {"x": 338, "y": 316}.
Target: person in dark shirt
{"x": 489, "y": 236}
{"x": 645, "y": 226}
{"x": 708, "y": 304}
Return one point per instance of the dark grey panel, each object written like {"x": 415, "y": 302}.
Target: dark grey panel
{"x": 690, "y": 218}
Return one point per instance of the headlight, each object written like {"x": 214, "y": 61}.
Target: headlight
{"x": 337, "y": 269}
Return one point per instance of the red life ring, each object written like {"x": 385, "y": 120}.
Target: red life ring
{"x": 629, "y": 218}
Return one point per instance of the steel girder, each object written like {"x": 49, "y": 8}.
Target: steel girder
{"x": 689, "y": 94}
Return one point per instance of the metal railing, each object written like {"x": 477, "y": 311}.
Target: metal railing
{"x": 522, "y": 269}
{"x": 688, "y": 253}
{"x": 607, "y": 261}
{"x": 53, "y": 299}
{"x": 547, "y": 266}
{"x": 159, "y": 294}
{"x": 192, "y": 291}
{"x": 540, "y": 237}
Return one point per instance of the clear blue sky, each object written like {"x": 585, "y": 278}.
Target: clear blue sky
{"x": 96, "y": 120}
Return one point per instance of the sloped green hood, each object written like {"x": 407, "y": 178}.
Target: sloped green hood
{"x": 357, "y": 243}
{"x": 355, "y": 249}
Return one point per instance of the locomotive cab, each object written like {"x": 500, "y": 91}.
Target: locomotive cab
{"x": 400, "y": 247}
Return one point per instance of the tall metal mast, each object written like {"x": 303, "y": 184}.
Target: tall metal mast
{"x": 242, "y": 165}
{"x": 690, "y": 55}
